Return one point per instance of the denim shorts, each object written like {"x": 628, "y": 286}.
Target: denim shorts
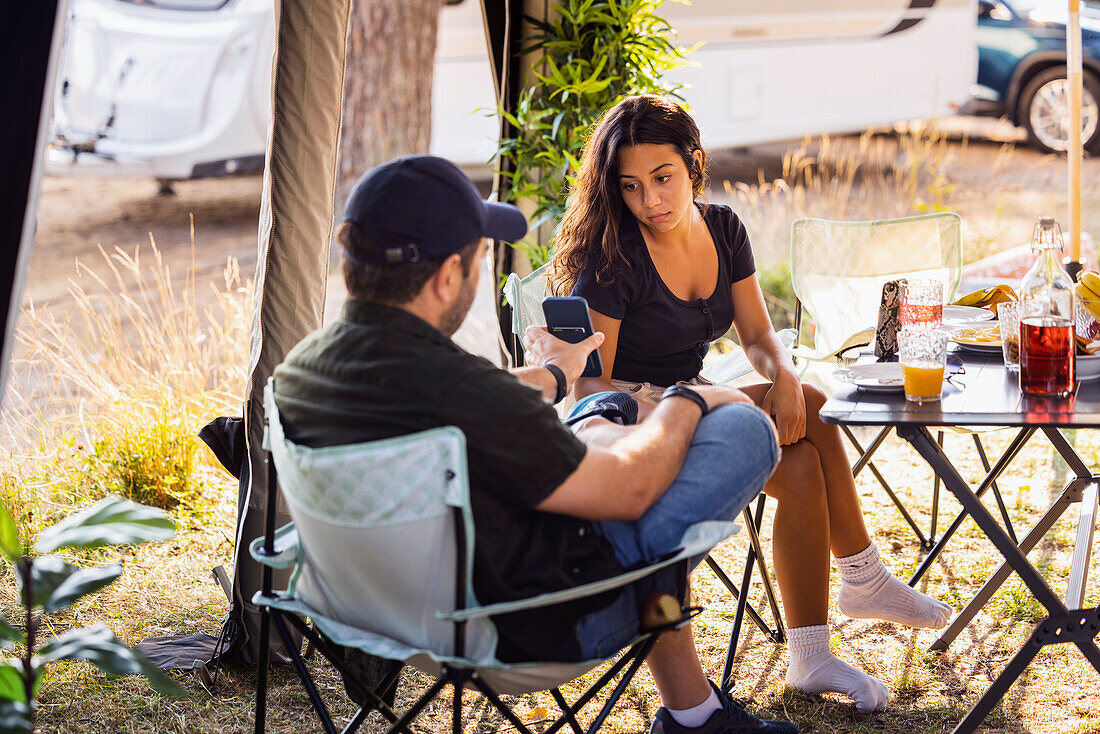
{"x": 731, "y": 456}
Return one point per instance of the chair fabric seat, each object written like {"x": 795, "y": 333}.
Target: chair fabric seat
{"x": 387, "y": 585}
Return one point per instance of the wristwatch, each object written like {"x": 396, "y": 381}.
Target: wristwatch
{"x": 683, "y": 391}
{"x": 559, "y": 377}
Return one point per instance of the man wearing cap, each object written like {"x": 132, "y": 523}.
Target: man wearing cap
{"x": 551, "y": 509}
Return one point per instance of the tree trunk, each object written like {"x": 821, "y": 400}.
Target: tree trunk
{"x": 387, "y": 84}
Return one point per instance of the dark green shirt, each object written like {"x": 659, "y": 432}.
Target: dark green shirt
{"x": 380, "y": 372}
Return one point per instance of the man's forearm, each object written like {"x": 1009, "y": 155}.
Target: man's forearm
{"x": 539, "y": 378}
{"x": 655, "y": 451}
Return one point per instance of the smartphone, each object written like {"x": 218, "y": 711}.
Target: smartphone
{"x": 567, "y": 318}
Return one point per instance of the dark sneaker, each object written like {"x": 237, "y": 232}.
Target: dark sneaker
{"x": 730, "y": 719}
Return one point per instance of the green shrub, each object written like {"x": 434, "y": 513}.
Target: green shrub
{"x": 150, "y": 462}
{"x": 593, "y": 54}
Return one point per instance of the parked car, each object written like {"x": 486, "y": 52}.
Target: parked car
{"x": 1022, "y": 69}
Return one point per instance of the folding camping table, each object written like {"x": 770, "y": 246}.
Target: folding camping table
{"x": 988, "y": 395}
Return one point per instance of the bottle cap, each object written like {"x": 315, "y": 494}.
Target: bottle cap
{"x": 1046, "y": 221}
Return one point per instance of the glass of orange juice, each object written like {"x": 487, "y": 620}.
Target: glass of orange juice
{"x": 923, "y": 354}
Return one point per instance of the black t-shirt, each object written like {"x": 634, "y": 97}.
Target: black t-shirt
{"x": 380, "y": 372}
{"x": 662, "y": 338}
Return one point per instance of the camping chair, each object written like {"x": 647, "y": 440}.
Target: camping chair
{"x": 837, "y": 272}
{"x": 525, "y": 296}
{"x": 382, "y": 543}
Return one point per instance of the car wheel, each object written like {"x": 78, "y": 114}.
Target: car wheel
{"x": 1044, "y": 111}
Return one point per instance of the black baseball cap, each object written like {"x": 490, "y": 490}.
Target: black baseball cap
{"x": 421, "y": 207}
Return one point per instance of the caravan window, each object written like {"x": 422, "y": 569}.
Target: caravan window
{"x": 182, "y": 4}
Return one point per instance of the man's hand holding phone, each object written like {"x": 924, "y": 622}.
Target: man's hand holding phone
{"x": 542, "y": 348}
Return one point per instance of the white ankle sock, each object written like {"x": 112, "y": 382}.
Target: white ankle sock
{"x": 869, "y": 591}
{"x": 814, "y": 669}
{"x": 697, "y": 715}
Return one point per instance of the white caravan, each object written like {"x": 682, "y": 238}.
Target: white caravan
{"x": 177, "y": 89}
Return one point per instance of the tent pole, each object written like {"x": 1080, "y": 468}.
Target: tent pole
{"x": 295, "y": 227}
{"x": 1075, "y": 153}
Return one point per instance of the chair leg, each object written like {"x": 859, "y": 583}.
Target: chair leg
{"x": 413, "y": 711}
{"x": 618, "y": 692}
{"x": 499, "y": 705}
{"x": 357, "y": 720}
{"x": 634, "y": 655}
{"x": 780, "y": 632}
{"x": 456, "y": 707}
{"x": 755, "y": 557}
{"x": 736, "y": 593}
{"x": 303, "y": 674}
{"x": 375, "y": 696}
{"x": 261, "y": 661}
{"x": 566, "y": 711}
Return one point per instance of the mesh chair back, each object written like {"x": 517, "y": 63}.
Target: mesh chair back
{"x": 525, "y": 296}
{"x": 376, "y": 521}
{"x": 838, "y": 268}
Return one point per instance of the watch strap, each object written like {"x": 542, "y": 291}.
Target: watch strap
{"x": 683, "y": 391}
{"x": 559, "y": 377}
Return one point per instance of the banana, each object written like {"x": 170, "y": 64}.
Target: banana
{"x": 972, "y": 299}
{"x": 988, "y": 297}
{"x": 1088, "y": 299}
{"x": 1091, "y": 281}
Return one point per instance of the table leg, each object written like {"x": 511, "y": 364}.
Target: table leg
{"x": 1009, "y": 454}
{"x": 865, "y": 455}
{"x": 1069, "y": 495}
{"x": 1080, "y": 634}
{"x": 1082, "y": 549}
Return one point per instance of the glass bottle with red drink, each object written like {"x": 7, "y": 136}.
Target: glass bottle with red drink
{"x": 1046, "y": 317}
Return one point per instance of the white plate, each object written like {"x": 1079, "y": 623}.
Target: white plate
{"x": 1088, "y": 367}
{"x": 965, "y": 340}
{"x": 961, "y": 315}
{"x": 977, "y": 348}
{"x": 875, "y": 377}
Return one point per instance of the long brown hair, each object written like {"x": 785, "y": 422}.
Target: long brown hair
{"x": 596, "y": 203}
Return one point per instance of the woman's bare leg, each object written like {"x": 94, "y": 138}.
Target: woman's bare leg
{"x": 868, "y": 589}
{"x": 800, "y": 535}
{"x": 847, "y": 531}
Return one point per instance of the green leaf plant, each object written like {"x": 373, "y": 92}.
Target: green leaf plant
{"x": 586, "y": 59}
{"x": 48, "y": 584}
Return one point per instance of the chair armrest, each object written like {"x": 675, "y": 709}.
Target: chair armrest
{"x": 287, "y": 548}
{"x": 730, "y": 366}
{"x": 699, "y": 539}
{"x": 512, "y": 295}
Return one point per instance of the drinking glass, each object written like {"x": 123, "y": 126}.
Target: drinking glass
{"x": 921, "y": 304}
{"x": 1008, "y": 319}
{"x": 923, "y": 353}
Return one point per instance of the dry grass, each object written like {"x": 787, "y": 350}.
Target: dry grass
{"x": 108, "y": 395}
{"x": 143, "y": 344}
{"x": 165, "y": 590}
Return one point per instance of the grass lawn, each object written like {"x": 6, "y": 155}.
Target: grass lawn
{"x": 166, "y": 590}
